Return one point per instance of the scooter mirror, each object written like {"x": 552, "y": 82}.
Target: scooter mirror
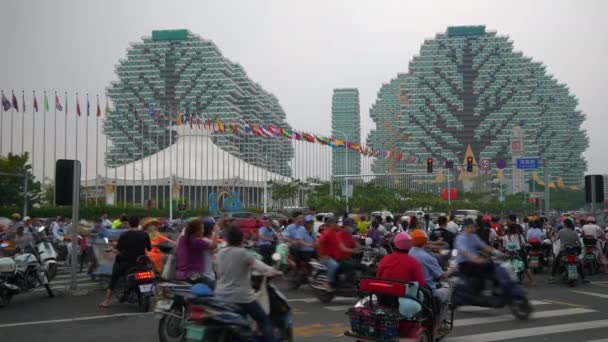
{"x": 105, "y": 239}
{"x": 455, "y": 253}
{"x": 276, "y": 256}
{"x": 41, "y": 229}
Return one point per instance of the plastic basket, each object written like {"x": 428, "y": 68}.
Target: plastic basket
{"x": 374, "y": 323}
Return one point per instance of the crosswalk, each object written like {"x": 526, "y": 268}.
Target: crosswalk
{"x": 63, "y": 279}
{"x": 476, "y": 324}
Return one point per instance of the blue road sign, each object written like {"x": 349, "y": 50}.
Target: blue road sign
{"x": 527, "y": 163}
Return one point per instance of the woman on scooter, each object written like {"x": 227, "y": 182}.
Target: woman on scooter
{"x": 190, "y": 254}
{"x": 515, "y": 238}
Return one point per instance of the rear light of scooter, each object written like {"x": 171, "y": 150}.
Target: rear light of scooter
{"x": 196, "y": 312}
{"x": 570, "y": 258}
{"x": 148, "y": 275}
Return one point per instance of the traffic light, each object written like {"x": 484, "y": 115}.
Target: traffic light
{"x": 449, "y": 164}
{"x": 429, "y": 165}
{"x": 469, "y": 164}
{"x": 594, "y": 185}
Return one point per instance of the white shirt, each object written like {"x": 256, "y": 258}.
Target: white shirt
{"x": 592, "y": 230}
{"x": 317, "y": 225}
{"x": 452, "y": 227}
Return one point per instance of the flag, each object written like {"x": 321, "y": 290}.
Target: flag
{"x": 297, "y": 135}
{"x": 78, "y": 107}
{"x": 198, "y": 122}
{"x": 256, "y": 129}
{"x": 88, "y": 106}
{"x": 107, "y": 107}
{"x": 235, "y": 128}
{"x": 264, "y": 131}
{"x": 58, "y": 103}
{"x": 220, "y": 125}
{"x": 151, "y": 109}
{"x": 98, "y": 108}
{"x": 191, "y": 121}
{"x": 209, "y": 124}
{"x": 339, "y": 142}
{"x": 247, "y": 128}
{"x": 35, "y": 104}
{"x": 46, "y": 103}
{"x": 321, "y": 140}
{"x": 287, "y": 133}
{"x": 15, "y": 104}
{"x": 6, "y": 104}
{"x": 23, "y": 101}
{"x": 179, "y": 118}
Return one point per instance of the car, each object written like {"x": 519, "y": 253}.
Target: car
{"x": 417, "y": 213}
{"x": 241, "y": 214}
{"x": 384, "y": 214}
{"x": 462, "y": 214}
{"x": 435, "y": 216}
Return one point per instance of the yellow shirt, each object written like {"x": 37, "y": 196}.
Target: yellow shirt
{"x": 362, "y": 227}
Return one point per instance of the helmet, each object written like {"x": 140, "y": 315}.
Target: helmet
{"x": 486, "y": 218}
{"x": 403, "y": 241}
{"x": 419, "y": 238}
{"x": 16, "y": 216}
{"x": 149, "y": 221}
{"x": 590, "y": 219}
{"x": 309, "y": 218}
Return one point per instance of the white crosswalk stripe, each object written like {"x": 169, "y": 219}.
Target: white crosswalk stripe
{"x": 505, "y": 318}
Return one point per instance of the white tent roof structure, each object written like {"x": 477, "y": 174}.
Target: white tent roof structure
{"x": 194, "y": 160}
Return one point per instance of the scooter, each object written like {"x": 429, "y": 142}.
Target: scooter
{"x": 590, "y": 256}
{"x": 138, "y": 285}
{"x": 516, "y": 262}
{"x": 371, "y": 257}
{"x": 347, "y": 282}
{"x": 22, "y": 274}
{"x": 285, "y": 262}
{"x": 49, "y": 257}
{"x": 536, "y": 256}
{"x": 487, "y": 293}
{"x": 569, "y": 264}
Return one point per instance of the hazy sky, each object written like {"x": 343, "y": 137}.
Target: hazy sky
{"x": 301, "y": 50}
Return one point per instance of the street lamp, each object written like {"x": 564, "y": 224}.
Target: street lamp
{"x": 345, "y": 164}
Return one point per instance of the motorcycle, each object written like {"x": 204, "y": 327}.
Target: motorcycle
{"x": 49, "y": 257}
{"x": 517, "y": 263}
{"x": 371, "y": 257}
{"x": 569, "y": 264}
{"x": 590, "y": 256}
{"x": 477, "y": 291}
{"x": 138, "y": 285}
{"x": 294, "y": 275}
{"x": 22, "y": 274}
{"x": 188, "y": 312}
{"x": 394, "y": 311}
{"x": 536, "y": 256}
{"x": 346, "y": 282}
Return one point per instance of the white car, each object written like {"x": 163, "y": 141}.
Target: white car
{"x": 417, "y": 213}
{"x": 384, "y": 214}
{"x": 461, "y": 215}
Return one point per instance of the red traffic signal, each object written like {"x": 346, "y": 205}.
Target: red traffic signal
{"x": 469, "y": 164}
{"x": 429, "y": 165}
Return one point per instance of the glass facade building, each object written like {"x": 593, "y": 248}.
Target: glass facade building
{"x": 346, "y": 125}
{"x": 176, "y": 71}
{"x": 468, "y": 87}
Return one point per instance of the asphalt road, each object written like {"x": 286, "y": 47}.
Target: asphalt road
{"x": 561, "y": 314}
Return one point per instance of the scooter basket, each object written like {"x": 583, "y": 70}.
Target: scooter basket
{"x": 374, "y": 323}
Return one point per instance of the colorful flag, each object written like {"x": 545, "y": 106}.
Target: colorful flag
{"x": 220, "y": 125}
{"x": 297, "y": 135}
{"x": 339, "y": 142}
{"x": 6, "y": 104}
{"x": 191, "y": 121}
{"x": 287, "y": 133}
{"x": 98, "y": 108}
{"x": 58, "y": 103}
{"x": 107, "y": 106}
{"x": 256, "y": 129}
{"x": 46, "y": 103}
{"x": 264, "y": 131}
{"x": 198, "y": 122}
{"x": 23, "y": 101}
{"x": 78, "y": 107}
{"x": 179, "y": 118}
{"x": 35, "y": 104}
{"x": 88, "y": 107}
{"x": 247, "y": 128}
{"x": 235, "y": 128}
{"x": 15, "y": 104}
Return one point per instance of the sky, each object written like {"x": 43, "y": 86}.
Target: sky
{"x": 302, "y": 50}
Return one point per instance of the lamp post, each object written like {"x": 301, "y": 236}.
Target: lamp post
{"x": 345, "y": 165}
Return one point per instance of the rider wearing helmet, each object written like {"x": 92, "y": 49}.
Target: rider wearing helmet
{"x": 592, "y": 230}
{"x": 399, "y": 265}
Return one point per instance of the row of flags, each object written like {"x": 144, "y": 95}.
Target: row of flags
{"x": 14, "y": 104}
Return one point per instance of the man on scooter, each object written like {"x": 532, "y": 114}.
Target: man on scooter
{"x": 330, "y": 251}
{"x": 472, "y": 264}
{"x": 567, "y": 237}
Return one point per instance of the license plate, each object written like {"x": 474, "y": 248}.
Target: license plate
{"x": 163, "y": 305}
{"x": 195, "y": 332}
{"x": 572, "y": 273}
{"x": 589, "y": 256}
{"x": 146, "y": 288}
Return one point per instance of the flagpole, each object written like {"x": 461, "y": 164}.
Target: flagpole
{"x": 96, "y": 148}
{"x": 86, "y": 148}
{"x": 55, "y": 141}
{"x": 44, "y": 106}
{"x": 105, "y": 164}
{"x": 65, "y": 128}
{"x": 76, "y": 135}
{"x": 12, "y": 115}
{"x": 23, "y": 123}
{"x": 1, "y": 121}
{"x": 33, "y": 132}
{"x": 171, "y": 170}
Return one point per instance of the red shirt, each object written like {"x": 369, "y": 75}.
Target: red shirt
{"x": 328, "y": 243}
{"x": 401, "y": 267}
{"x": 346, "y": 238}
{"x": 497, "y": 228}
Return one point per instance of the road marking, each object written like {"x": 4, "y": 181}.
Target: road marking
{"x": 67, "y": 276}
{"x": 338, "y": 307}
{"x": 600, "y": 295}
{"x": 77, "y": 319}
{"x": 317, "y": 329}
{"x": 67, "y": 281}
{"x": 468, "y": 308}
{"x": 528, "y": 332}
{"x": 315, "y": 300}
{"x": 53, "y": 287}
{"x": 600, "y": 340}
{"x": 551, "y": 301}
{"x": 505, "y": 318}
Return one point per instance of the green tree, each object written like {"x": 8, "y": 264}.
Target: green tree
{"x": 281, "y": 192}
{"x": 12, "y": 187}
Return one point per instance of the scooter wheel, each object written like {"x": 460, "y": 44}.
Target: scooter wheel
{"x": 521, "y": 308}
{"x": 51, "y": 272}
{"x": 424, "y": 337}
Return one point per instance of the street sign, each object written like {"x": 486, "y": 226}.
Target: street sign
{"x": 347, "y": 191}
{"x": 501, "y": 164}
{"x": 527, "y": 163}
{"x": 501, "y": 198}
{"x": 484, "y": 164}
{"x": 536, "y": 195}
